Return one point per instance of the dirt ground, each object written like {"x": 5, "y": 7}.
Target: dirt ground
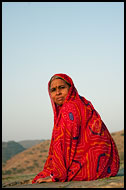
{"x": 112, "y": 182}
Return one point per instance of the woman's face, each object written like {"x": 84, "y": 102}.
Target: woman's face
{"x": 59, "y": 90}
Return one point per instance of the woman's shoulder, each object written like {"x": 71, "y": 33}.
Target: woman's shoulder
{"x": 71, "y": 112}
{"x": 70, "y": 107}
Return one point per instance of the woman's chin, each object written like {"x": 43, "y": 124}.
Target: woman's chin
{"x": 59, "y": 103}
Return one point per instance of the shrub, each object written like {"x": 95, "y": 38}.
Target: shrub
{"x": 7, "y": 172}
{"x": 30, "y": 168}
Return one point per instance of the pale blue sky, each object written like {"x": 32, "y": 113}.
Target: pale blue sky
{"x": 84, "y": 40}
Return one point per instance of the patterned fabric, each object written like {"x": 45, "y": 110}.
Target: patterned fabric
{"x": 81, "y": 146}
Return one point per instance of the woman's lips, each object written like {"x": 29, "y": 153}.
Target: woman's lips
{"x": 59, "y": 99}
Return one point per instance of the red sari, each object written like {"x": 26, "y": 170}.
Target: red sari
{"x": 81, "y": 146}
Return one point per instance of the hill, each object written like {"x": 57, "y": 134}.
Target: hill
{"x": 33, "y": 159}
{"x": 119, "y": 140}
{"x": 29, "y": 143}
{"x": 29, "y": 161}
{"x": 9, "y": 149}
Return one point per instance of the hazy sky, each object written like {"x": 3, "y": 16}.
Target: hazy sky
{"x": 84, "y": 40}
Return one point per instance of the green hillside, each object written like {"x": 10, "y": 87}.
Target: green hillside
{"x": 9, "y": 149}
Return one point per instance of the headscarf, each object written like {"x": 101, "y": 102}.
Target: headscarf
{"x": 71, "y": 95}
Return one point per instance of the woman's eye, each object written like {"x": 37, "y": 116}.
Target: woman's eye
{"x": 53, "y": 89}
{"x": 61, "y": 87}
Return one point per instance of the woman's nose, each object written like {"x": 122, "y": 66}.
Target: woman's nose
{"x": 58, "y": 91}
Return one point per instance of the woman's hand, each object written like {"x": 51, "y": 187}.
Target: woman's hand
{"x": 46, "y": 179}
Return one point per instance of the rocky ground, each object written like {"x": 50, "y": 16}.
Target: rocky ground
{"x": 112, "y": 182}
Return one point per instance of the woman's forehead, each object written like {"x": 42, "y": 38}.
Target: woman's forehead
{"x": 57, "y": 82}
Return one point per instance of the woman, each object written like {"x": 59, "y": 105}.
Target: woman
{"x": 81, "y": 146}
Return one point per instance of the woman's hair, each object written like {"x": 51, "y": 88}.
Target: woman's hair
{"x": 57, "y": 77}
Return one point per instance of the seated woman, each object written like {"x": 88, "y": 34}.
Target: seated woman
{"x": 81, "y": 146}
